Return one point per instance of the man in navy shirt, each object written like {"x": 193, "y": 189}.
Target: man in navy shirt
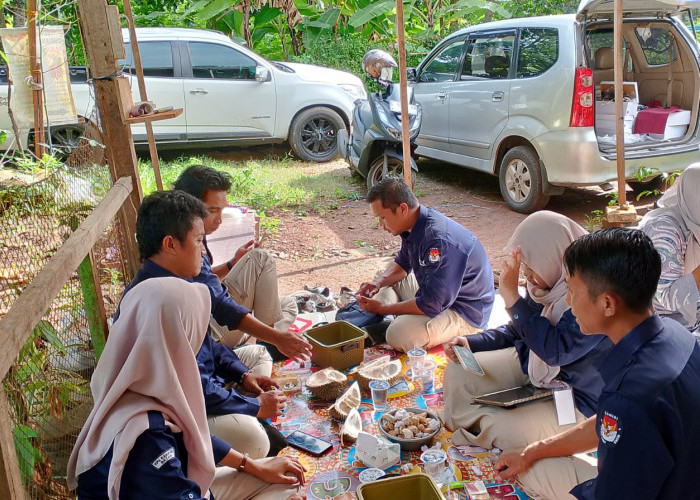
{"x": 170, "y": 233}
{"x": 646, "y": 429}
{"x": 440, "y": 284}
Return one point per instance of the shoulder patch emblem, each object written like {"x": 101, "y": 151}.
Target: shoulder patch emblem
{"x": 610, "y": 428}
{"x": 434, "y": 255}
{"x": 163, "y": 458}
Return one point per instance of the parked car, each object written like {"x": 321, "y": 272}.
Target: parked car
{"x": 230, "y": 95}
{"x": 521, "y": 98}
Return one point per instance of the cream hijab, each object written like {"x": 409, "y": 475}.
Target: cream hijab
{"x": 543, "y": 237}
{"x": 682, "y": 202}
{"x": 149, "y": 364}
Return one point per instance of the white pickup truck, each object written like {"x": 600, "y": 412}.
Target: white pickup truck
{"x": 229, "y": 94}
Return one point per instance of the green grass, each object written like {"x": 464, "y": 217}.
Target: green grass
{"x": 269, "y": 186}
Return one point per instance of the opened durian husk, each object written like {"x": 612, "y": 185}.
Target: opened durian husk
{"x": 349, "y": 400}
{"x": 389, "y": 371}
{"x": 327, "y": 384}
{"x": 351, "y": 428}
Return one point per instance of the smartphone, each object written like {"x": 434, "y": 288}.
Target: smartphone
{"x": 467, "y": 360}
{"x": 308, "y": 443}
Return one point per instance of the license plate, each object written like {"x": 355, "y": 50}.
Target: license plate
{"x": 395, "y": 107}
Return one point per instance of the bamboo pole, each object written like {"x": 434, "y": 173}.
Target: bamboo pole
{"x": 403, "y": 87}
{"x": 35, "y": 72}
{"x": 619, "y": 117}
{"x": 142, "y": 91}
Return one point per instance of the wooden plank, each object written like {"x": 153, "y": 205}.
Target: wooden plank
{"x": 10, "y": 479}
{"x": 152, "y": 117}
{"x": 31, "y": 305}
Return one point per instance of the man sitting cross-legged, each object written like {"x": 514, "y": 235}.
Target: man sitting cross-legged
{"x": 169, "y": 231}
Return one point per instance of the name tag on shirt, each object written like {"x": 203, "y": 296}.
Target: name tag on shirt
{"x": 164, "y": 458}
{"x": 564, "y": 404}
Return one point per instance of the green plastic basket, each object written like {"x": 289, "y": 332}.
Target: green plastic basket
{"x": 339, "y": 344}
{"x": 413, "y": 486}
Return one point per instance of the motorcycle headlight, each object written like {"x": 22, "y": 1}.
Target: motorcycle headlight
{"x": 354, "y": 91}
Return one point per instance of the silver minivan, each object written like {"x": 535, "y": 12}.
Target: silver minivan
{"x": 529, "y": 99}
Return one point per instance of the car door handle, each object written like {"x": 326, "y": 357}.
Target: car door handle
{"x": 198, "y": 92}
{"x": 498, "y": 96}
{"x": 442, "y": 95}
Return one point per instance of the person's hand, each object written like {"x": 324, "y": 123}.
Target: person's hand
{"x": 511, "y": 463}
{"x": 293, "y": 346}
{"x": 271, "y": 404}
{"x": 370, "y": 305}
{"x": 367, "y": 289}
{"x": 257, "y": 384}
{"x": 279, "y": 470}
{"x": 508, "y": 281}
{"x": 448, "y": 347}
{"x": 247, "y": 247}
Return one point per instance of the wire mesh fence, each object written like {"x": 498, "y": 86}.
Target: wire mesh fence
{"x": 41, "y": 204}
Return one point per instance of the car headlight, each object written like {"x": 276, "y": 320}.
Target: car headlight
{"x": 354, "y": 91}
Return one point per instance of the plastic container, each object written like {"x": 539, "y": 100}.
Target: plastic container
{"x": 414, "y": 486}
{"x": 339, "y": 344}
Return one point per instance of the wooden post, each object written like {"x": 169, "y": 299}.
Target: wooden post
{"x": 403, "y": 87}
{"x": 10, "y": 479}
{"x": 109, "y": 92}
{"x": 35, "y": 72}
{"x": 142, "y": 91}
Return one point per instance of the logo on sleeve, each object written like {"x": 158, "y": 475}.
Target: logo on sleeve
{"x": 610, "y": 428}
{"x": 163, "y": 458}
{"x": 434, "y": 255}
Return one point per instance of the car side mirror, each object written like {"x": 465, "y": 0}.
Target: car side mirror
{"x": 411, "y": 74}
{"x": 262, "y": 74}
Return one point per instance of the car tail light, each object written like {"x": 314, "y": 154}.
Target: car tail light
{"x": 582, "y": 105}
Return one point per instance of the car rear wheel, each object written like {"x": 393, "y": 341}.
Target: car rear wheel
{"x": 67, "y": 138}
{"x": 394, "y": 167}
{"x": 313, "y": 135}
{"x": 520, "y": 179}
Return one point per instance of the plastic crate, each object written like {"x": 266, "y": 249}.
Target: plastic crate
{"x": 413, "y": 486}
{"x": 339, "y": 344}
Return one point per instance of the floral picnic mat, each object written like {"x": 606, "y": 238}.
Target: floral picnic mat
{"x": 336, "y": 473}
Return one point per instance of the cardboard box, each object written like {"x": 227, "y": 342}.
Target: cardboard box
{"x": 630, "y": 93}
{"x": 608, "y": 108}
{"x": 605, "y": 124}
{"x": 676, "y": 126}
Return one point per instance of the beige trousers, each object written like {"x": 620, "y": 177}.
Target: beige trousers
{"x": 252, "y": 283}
{"x": 229, "y": 484}
{"x": 490, "y": 426}
{"x": 243, "y": 432}
{"x": 408, "y": 331}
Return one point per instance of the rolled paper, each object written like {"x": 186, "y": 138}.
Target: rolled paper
{"x": 141, "y": 108}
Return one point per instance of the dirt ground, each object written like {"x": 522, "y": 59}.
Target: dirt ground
{"x": 347, "y": 247}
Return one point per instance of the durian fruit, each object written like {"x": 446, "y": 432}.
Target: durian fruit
{"x": 349, "y": 400}
{"x": 387, "y": 370}
{"x": 351, "y": 428}
{"x": 327, "y": 384}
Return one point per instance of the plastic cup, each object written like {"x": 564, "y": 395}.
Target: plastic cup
{"x": 434, "y": 464}
{"x": 427, "y": 375}
{"x": 416, "y": 359}
{"x": 380, "y": 391}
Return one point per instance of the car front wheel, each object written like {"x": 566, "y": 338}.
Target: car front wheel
{"x": 394, "y": 167}
{"x": 520, "y": 179}
{"x": 314, "y": 134}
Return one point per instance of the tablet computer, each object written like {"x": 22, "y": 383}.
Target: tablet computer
{"x": 512, "y": 397}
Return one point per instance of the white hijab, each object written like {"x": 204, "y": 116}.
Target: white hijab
{"x": 682, "y": 202}
{"x": 543, "y": 237}
{"x": 149, "y": 364}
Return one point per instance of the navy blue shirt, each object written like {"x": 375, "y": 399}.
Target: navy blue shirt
{"x": 217, "y": 363}
{"x": 451, "y": 267}
{"x": 155, "y": 468}
{"x": 563, "y": 345}
{"x": 647, "y": 422}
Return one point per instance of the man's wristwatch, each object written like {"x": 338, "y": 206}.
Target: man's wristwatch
{"x": 245, "y": 374}
{"x": 229, "y": 266}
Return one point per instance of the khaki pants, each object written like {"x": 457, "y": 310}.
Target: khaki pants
{"x": 229, "y": 484}
{"x": 417, "y": 330}
{"x": 252, "y": 283}
{"x": 490, "y": 426}
{"x": 243, "y": 432}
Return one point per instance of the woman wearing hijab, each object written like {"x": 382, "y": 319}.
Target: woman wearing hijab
{"x": 147, "y": 435}
{"x": 542, "y": 345}
{"x": 674, "y": 228}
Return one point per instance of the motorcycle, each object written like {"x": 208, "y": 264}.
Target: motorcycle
{"x": 374, "y": 147}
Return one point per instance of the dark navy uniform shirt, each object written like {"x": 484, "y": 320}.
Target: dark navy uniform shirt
{"x": 451, "y": 267}
{"x": 155, "y": 468}
{"x": 648, "y": 421}
{"x": 577, "y": 355}
{"x": 217, "y": 363}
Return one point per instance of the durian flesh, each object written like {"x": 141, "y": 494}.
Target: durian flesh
{"x": 351, "y": 399}
{"x": 351, "y": 428}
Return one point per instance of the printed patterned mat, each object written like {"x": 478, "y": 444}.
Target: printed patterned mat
{"x": 336, "y": 473}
